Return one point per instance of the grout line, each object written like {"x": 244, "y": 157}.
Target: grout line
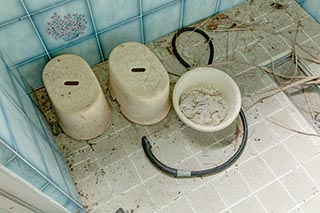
{"x": 95, "y": 31}
{"x": 273, "y": 173}
{"x": 43, "y": 187}
{"x": 36, "y": 30}
{"x": 182, "y": 11}
{"x": 141, "y": 22}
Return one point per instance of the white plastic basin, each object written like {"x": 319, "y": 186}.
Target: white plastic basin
{"x": 222, "y": 82}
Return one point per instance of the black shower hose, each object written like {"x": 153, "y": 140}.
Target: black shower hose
{"x": 186, "y": 173}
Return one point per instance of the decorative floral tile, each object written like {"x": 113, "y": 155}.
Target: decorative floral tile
{"x": 64, "y": 24}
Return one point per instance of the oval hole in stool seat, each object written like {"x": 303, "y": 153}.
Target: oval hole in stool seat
{"x": 71, "y": 83}
{"x": 138, "y": 69}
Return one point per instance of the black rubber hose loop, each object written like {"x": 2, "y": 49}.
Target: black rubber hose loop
{"x": 175, "y": 172}
{"x": 192, "y": 29}
{"x": 183, "y": 173}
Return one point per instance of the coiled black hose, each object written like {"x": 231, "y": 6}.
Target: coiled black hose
{"x": 185, "y": 173}
{"x": 192, "y": 29}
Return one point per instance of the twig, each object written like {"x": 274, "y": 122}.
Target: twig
{"x": 293, "y": 130}
{"x": 277, "y": 90}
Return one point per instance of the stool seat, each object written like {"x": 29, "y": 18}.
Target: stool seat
{"x": 139, "y": 82}
{"x": 76, "y": 95}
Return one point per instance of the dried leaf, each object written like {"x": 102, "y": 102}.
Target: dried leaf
{"x": 221, "y": 16}
{"x": 212, "y": 26}
{"x": 278, "y": 6}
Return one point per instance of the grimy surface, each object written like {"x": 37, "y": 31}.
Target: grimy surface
{"x": 277, "y": 171}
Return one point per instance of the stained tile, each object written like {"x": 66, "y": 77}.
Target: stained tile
{"x": 109, "y": 150}
{"x": 145, "y": 168}
{"x": 11, "y": 10}
{"x": 95, "y": 189}
{"x": 262, "y": 136}
{"x": 193, "y": 11}
{"x": 127, "y": 32}
{"x": 131, "y": 138}
{"x": 166, "y": 148}
{"x": 122, "y": 176}
{"x": 64, "y": 24}
{"x": 161, "y": 22}
{"x": 255, "y": 54}
{"x": 87, "y": 49}
{"x": 136, "y": 200}
{"x": 67, "y": 177}
{"x": 163, "y": 189}
{"x": 310, "y": 26}
{"x": 21, "y": 46}
{"x": 107, "y": 13}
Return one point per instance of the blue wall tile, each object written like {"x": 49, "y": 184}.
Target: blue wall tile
{"x": 35, "y": 5}
{"x": 11, "y": 9}
{"x": 5, "y": 134}
{"x": 5, "y": 152}
{"x": 6, "y": 83}
{"x": 107, "y": 13}
{"x": 162, "y": 22}
{"x": 23, "y": 170}
{"x": 64, "y": 24}
{"x": 193, "y": 11}
{"x": 87, "y": 49}
{"x": 20, "y": 40}
{"x": 32, "y": 71}
{"x": 72, "y": 207}
{"x": 226, "y": 4}
{"x": 51, "y": 163}
{"x": 148, "y": 5}
{"x": 312, "y": 7}
{"x": 30, "y": 110}
{"x": 57, "y": 195}
{"x": 24, "y": 140}
{"x": 127, "y": 32}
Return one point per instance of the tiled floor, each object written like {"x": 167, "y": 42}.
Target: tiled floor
{"x": 278, "y": 171}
